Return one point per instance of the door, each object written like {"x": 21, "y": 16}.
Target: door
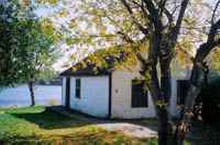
{"x": 67, "y": 103}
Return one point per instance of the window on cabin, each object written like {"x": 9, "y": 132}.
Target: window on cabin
{"x": 182, "y": 88}
{"x": 139, "y": 94}
{"x": 78, "y": 88}
{"x": 67, "y": 99}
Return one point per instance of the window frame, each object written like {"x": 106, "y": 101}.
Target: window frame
{"x": 78, "y": 88}
{"x": 140, "y": 101}
{"x": 180, "y": 94}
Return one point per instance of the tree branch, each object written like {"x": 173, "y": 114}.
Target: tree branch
{"x": 120, "y": 32}
{"x": 214, "y": 30}
{"x": 152, "y": 10}
{"x": 142, "y": 28}
{"x": 169, "y": 15}
{"x": 180, "y": 18}
{"x": 214, "y": 11}
{"x": 125, "y": 37}
{"x": 145, "y": 13}
{"x": 141, "y": 6}
{"x": 162, "y": 7}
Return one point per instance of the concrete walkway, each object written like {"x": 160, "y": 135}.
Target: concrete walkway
{"x": 130, "y": 129}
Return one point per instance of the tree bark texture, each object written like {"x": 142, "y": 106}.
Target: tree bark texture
{"x": 30, "y": 86}
{"x": 196, "y": 80}
{"x": 162, "y": 41}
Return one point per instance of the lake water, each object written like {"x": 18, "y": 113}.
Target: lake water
{"x": 19, "y": 96}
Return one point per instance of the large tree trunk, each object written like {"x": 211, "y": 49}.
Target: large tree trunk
{"x": 167, "y": 131}
{"x": 30, "y": 86}
{"x": 184, "y": 124}
{"x": 163, "y": 127}
{"x": 160, "y": 88}
{"x": 163, "y": 114}
{"x": 161, "y": 94}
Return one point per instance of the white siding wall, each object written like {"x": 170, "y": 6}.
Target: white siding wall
{"x": 173, "y": 100}
{"x": 63, "y": 90}
{"x": 122, "y": 95}
{"x": 94, "y": 96}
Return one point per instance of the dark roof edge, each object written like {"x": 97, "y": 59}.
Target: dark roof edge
{"x": 69, "y": 72}
{"x": 63, "y": 74}
{"x": 85, "y": 75}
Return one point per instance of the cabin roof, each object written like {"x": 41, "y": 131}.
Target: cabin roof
{"x": 101, "y": 62}
{"x": 105, "y": 61}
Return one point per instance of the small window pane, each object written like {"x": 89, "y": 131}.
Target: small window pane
{"x": 139, "y": 94}
{"x": 78, "y": 88}
{"x": 182, "y": 89}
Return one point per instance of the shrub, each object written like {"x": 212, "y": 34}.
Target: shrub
{"x": 210, "y": 99}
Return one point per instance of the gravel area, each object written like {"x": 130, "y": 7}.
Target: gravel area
{"x": 130, "y": 129}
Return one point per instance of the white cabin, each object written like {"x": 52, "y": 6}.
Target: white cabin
{"x": 114, "y": 93}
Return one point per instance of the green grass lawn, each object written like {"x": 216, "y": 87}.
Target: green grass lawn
{"x": 35, "y": 125}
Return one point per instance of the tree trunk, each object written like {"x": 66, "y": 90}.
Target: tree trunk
{"x": 166, "y": 131}
{"x": 163, "y": 127}
{"x": 161, "y": 94}
{"x": 196, "y": 81}
{"x": 30, "y": 86}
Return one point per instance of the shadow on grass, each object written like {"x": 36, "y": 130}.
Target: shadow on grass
{"x": 59, "y": 117}
{"x": 150, "y": 123}
{"x": 205, "y": 134}
{"x": 50, "y": 120}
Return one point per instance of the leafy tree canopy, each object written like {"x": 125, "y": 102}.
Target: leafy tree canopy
{"x": 26, "y": 45}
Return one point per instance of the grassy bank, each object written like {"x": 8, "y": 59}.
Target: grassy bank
{"x": 35, "y": 125}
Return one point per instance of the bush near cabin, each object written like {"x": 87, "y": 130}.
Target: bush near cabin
{"x": 210, "y": 99}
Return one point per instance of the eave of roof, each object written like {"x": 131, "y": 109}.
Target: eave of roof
{"x": 103, "y": 62}
{"x": 89, "y": 70}
{"x": 82, "y": 72}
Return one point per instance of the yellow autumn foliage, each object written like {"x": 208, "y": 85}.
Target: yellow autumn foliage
{"x": 123, "y": 57}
